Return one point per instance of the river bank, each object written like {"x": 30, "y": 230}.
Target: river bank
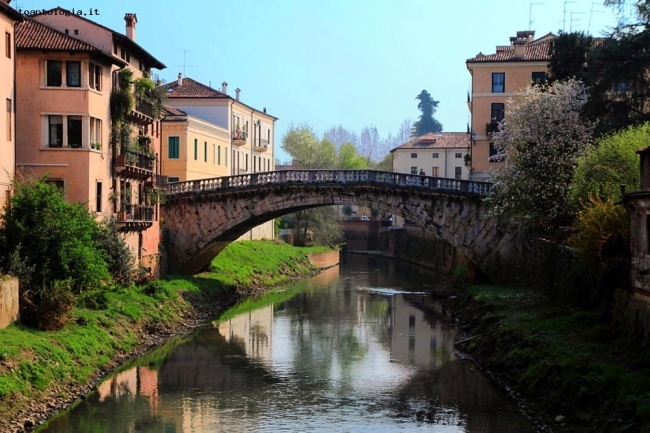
{"x": 44, "y": 372}
{"x": 572, "y": 365}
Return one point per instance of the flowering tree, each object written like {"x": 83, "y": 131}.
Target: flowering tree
{"x": 540, "y": 142}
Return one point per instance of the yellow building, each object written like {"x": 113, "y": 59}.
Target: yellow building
{"x": 8, "y": 18}
{"x": 495, "y": 79}
{"x": 67, "y": 68}
{"x": 207, "y": 133}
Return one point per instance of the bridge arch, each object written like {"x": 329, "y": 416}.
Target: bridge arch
{"x": 204, "y": 216}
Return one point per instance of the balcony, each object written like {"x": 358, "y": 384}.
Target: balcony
{"x": 239, "y": 137}
{"x": 134, "y": 217}
{"x": 491, "y": 128}
{"x": 134, "y": 165}
{"x": 142, "y": 111}
{"x": 262, "y": 146}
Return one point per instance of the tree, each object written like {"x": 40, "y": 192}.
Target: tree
{"x": 426, "y": 122}
{"x": 306, "y": 150}
{"x": 349, "y": 158}
{"x": 386, "y": 164}
{"x": 569, "y": 53}
{"x": 541, "y": 141}
{"x": 339, "y": 136}
{"x": 369, "y": 144}
{"x": 611, "y": 163}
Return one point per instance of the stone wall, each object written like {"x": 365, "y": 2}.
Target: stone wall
{"x": 324, "y": 260}
{"x": 8, "y": 302}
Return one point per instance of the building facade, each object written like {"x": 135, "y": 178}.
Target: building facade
{"x": 8, "y": 19}
{"x": 70, "y": 69}
{"x": 207, "y": 133}
{"x": 495, "y": 79}
{"x": 444, "y": 154}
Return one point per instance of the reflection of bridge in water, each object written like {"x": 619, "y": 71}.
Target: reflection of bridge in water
{"x": 203, "y": 216}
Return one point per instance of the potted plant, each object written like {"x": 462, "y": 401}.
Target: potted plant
{"x": 468, "y": 159}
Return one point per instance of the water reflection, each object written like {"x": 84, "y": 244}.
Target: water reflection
{"x": 354, "y": 349}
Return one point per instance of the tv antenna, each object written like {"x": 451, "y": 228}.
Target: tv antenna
{"x": 564, "y": 15}
{"x": 590, "y": 14}
{"x": 184, "y": 65}
{"x": 530, "y": 14}
{"x": 573, "y": 19}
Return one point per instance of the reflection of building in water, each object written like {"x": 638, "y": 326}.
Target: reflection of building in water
{"x": 254, "y": 329}
{"x": 418, "y": 337}
{"x": 138, "y": 380}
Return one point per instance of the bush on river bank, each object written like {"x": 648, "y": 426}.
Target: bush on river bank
{"x": 34, "y": 363}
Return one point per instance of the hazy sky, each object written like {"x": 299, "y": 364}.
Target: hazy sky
{"x": 328, "y": 62}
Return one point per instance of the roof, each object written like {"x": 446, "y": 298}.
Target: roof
{"x": 438, "y": 140}
{"x": 168, "y": 110}
{"x": 155, "y": 63}
{"x": 192, "y": 89}
{"x": 534, "y": 51}
{"x": 10, "y": 12}
{"x": 34, "y": 36}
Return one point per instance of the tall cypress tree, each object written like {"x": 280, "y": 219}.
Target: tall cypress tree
{"x": 426, "y": 122}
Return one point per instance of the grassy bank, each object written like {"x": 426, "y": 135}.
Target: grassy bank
{"x": 36, "y": 366}
{"x": 571, "y": 363}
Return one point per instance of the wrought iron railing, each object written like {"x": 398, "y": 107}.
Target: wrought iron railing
{"x": 136, "y": 159}
{"x": 347, "y": 177}
{"x": 143, "y": 106}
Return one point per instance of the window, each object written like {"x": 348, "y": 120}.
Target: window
{"x": 76, "y": 32}
{"x": 214, "y": 153}
{"x": 55, "y": 128}
{"x": 94, "y": 76}
{"x": 74, "y": 132}
{"x": 498, "y": 112}
{"x": 498, "y": 82}
{"x": 59, "y": 183}
{"x": 539, "y": 77}
{"x": 196, "y": 149}
{"x": 414, "y": 170}
{"x": 414, "y": 155}
{"x": 8, "y": 44}
{"x": 174, "y": 148}
{"x": 458, "y": 172}
{"x": 115, "y": 49}
{"x": 458, "y": 155}
{"x": 493, "y": 150}
{"x": 411, "y": 321}
{"x": 73, "y": 74}
{"x": 225, "y": 155}
{"x": 436, "y": 155}
{"x": 173, "y": 179}
{"x": 128, "y": 57}
{"x": 8, "y": 127}
{"x": 205, "y": 151}
{"x": 219, "y": 155}
{"x": 54, "y": 73}
{"x": 98, "y": 197}
{"x": 435, "y": 172}
{"x": 122, "y": 54}
{"x": 246, "y": 166}
{"x": 95, "y": 133}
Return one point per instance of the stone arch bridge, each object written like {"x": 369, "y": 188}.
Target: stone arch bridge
{"x": 203, "y": 216}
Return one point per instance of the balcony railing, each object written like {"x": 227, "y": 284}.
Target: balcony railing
{"x": 491, "y": 128}
{"x": 134, "y": 217}
{"x": 239, "y": 137}
{"x": 142, "y": 111}
{"x": 134, "y": 165}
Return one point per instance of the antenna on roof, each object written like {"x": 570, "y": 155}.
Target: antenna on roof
{"x": 530, "y": 14}
{"x": 184, "y": 65}
{"x": 564, "y": 16}
{"x": 590, "y": 14}
{"x": 572, "y": 20}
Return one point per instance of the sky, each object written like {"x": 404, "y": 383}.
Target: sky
{"x": 326, "y": 63}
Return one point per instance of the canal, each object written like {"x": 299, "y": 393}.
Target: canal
{"x": 358, "y": 348}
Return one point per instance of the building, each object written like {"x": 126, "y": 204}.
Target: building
{"x": 208, "y": 133}
{"x": 69, "y": 70}
{"x": 495, "y": 79}
{"x": 444, "y": 154}
{"x": 8, "y": 19}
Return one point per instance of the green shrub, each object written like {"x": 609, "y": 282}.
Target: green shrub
{"x": 118, "y": 256}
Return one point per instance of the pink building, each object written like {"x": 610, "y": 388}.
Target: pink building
{"x": 69, "y": 68}
{"x": 8, "y": 18}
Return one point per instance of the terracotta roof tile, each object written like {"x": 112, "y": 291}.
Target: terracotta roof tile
{"x": 191, "y": 89}
{"x": 537, "y": 50}
{"x": 438, "y": 140}
{"x": 31, "y": 35}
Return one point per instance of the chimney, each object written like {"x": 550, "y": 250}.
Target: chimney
{"x": 131, "y": 20}
{"x": 224, "y": 88}
{"x": 237, "y": 90}
{"x": 180, "y": 79}
{"x": 265, "y": 109}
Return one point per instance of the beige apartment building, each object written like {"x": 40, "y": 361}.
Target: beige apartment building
{"x": 444, "y": 154}
{"x": 207, "y": 133}
{"x": 495, "y": 79}
{"x": 8, "y": 19}
{"x": 68, "y": 67}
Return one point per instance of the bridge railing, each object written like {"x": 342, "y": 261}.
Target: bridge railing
{"x": 328, "y": 176}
